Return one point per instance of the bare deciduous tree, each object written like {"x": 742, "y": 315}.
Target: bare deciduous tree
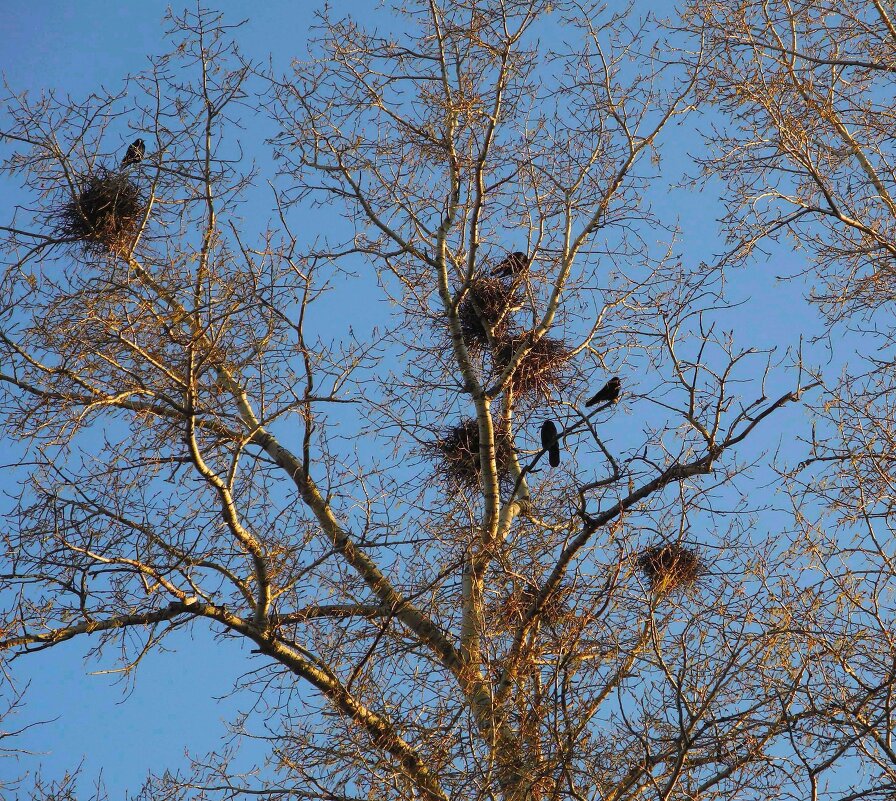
{"x": 807, "y": 152}
{"x": 435, "y": 613}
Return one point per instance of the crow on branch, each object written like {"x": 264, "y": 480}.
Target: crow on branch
{"x": 136, "y": 151}
{"x": 608, "y": 393}
{"x": 512, "y": 265}
{"x": 550, "y": 442}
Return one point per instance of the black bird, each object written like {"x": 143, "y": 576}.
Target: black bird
{"x": 550, "y": 442}
{"x": 136, "y": 151}
{"x": 511, "y": 265}
{"x": 609, "y": 392}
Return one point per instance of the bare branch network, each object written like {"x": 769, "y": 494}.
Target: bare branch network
{"x": 459, "y": 441}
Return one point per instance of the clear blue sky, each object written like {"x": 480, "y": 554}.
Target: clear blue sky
{"x": 76, "y": 48}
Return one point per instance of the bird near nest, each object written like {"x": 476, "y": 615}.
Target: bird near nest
{"x": 136, "y": 151}
{"x": 512, "y": 265}
{"x": 550, "y": 442}
{"x": 608, "y": 393}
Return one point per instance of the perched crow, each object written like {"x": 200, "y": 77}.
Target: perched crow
{"x": 135, "y": 153}
{"x": 550, "y": 443}
{"x": 511, "y": 265}
{"x": 609, "y": 392}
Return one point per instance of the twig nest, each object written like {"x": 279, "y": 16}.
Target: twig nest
{"x": 670, "y": 567}
{"x": 458, "y": 453}
{"x": 513, "y": 609}
{"x": 544, "y": 368}
{"x": 105, "y": 216}
{"x": 488, "y": 301}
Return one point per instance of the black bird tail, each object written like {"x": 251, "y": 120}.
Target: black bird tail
{"x": 554, "y": 455}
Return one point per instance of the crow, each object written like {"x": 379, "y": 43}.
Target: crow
{"x": 136, "y": 151}
{"x": 512, "y": 265}
{"x": 550, "y": 443}
{"x": 609, "y": 392}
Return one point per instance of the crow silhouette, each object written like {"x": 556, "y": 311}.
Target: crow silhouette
{"x": 136, "y": 151}
{"x": 550, "y": 443}
{"x": 609, "y": 392}
{"x": 511, "y": 265}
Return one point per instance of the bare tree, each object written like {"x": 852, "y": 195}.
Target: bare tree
{"x": 434, "y": 613}
{"x": 809, "y": 149}
{"x": 806, "y": 148}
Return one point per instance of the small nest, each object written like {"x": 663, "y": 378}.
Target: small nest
{"x": 106, "y": 216}
{"x": 670, "y": 567}
{"x": 458, "y": 451}
{"x": 513, "y": 609}
{"x": 494, "y": 301}
{"x": 543, "y": 368}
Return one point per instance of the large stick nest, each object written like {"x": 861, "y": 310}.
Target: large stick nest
{"x": 670, "y": 567}
{"x": 488, "y": 301}
{"x": 458, "y": 453}
{"x": 105, "y": 216}
{"x": 545, "y": 367}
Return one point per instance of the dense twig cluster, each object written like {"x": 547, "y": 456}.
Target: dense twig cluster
{"x": 513, "y": 609}
{"x": 486, "y": 321}
{"x": 485, "y": 314}
{"x": 487, "y": 302}
{"x": 458, "y": 452}
{"x": 670, "y": 567}
{"x": 545, "y": 365}
{"x": 105, "y": 216}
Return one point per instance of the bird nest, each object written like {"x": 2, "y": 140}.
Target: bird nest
{"x": 105, "y": 217}
{"x": 544, "y": 367}
{"x": 670, "y": 567}
{"x": 513, "y": 609}
{"x": 458, "y": 451}
{"x": 487, "y": 302}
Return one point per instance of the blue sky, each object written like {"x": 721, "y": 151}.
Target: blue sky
{"x": 174, "y": 703}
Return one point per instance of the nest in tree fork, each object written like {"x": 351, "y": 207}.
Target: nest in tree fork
{"x": 670, "y": 567}
{"x": 458, "y": 452}
{"x": 513, "y": 609}
{"x": 543, "y": 368}
{"x": 105, "y": 216}
{"x": 487, "y": 302}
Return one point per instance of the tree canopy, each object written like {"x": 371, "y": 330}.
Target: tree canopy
{"x": 323, "y": 436}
